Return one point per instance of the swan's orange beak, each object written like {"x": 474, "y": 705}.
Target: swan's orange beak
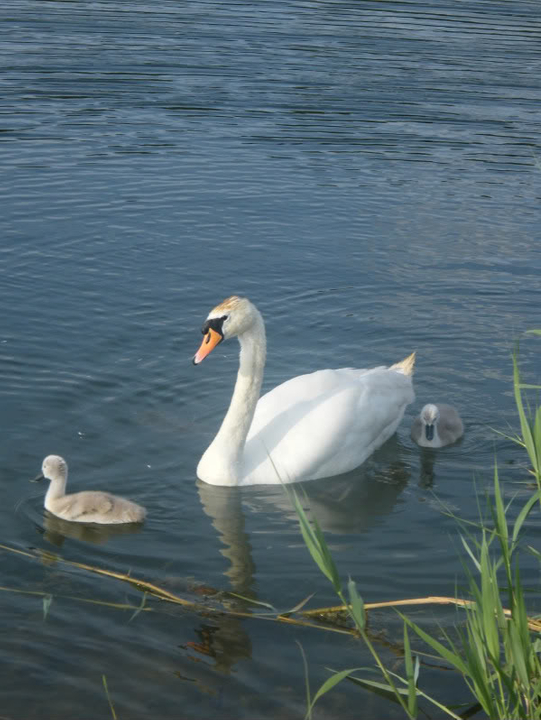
{"x": 211, "y": 339}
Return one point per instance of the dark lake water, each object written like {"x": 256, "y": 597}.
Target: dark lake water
{"x": 369, "y": 174}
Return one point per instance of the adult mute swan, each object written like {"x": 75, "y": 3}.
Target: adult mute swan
{"x": 437, "y": 426}
{"x": 90, "y": 506}
{"x": 309, "y": 427}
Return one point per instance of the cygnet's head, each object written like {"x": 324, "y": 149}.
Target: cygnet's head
{"x": 234, "y": 316}
{"x": 53, "y": 468}
{"x": 430, "y": 414}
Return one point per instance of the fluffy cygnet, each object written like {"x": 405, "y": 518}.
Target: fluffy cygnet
{"x": 89, "y": 506}
{"x": 436, "y": 426}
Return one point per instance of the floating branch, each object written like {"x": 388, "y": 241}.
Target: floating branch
{"x": 327, "y": 614}
{"x": 533, "y": 624}
{"x": 165, "y": 595}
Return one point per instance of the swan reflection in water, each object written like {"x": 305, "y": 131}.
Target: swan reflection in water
{"x": 56, "y": 530}
{"x": 349, "y": 504}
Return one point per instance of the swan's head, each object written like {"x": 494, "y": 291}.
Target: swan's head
{"x": 234, "y": 316}
{"x": 430, "y": 416}
{"x": 53, "y": 468}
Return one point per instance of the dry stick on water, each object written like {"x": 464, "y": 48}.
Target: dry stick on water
{"x": 533, "y": 624}
{"x": 167, "y": 596}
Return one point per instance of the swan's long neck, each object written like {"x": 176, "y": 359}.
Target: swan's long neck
{"x": 222, "y": 462}
{"x": 57, "y": 489}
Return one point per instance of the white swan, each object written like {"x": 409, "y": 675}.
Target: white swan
{"x": 90, "y": 506}
{"x": 437, "y": 426}
{"x": 309, "y": 427}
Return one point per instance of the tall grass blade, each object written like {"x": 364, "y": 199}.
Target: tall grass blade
{"x": 470, "y": 553}
{"x": 487, "y": 604}
{"x": 316, "y": 544}
{"x": 411, "y": 674}
{"x": 500, "y": 519}
{"x": 379, "y": 686}
{"x": 331, "y": 682}
{"x": 420, "y": 693}
{"x": 298, "y": 606}
{"x": 523, "y": 514}
{"x": 517, "y": 655}
{"x": 356, "y": 609}
{"x": 113, "y": 713}
{"x": 252, "y": 601}
{"x": 327, "y": 557}
{"x": 308, "y": 715}
{"x": 524, "y": 422}
{"x": 537, "y": 436}
{"x": 453, "y": 658}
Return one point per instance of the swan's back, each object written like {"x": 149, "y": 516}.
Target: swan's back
{"x": 324, "y": 423}
{"x": 96, "y": 507}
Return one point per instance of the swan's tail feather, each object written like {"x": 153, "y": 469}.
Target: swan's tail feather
{"x": 405, "y": 366}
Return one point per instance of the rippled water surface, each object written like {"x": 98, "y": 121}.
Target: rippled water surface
{"x": 369, "y": 174}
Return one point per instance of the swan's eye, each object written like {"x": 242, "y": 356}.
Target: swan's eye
{"x": 213, "y": 324}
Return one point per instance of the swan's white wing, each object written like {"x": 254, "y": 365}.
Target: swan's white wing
{"x": 323, "y": 424}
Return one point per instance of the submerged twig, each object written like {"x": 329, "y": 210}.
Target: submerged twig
{"x": 44, "y": 594}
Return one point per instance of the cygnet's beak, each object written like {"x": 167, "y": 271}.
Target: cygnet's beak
{"x": 211, "y": 339}
{"x": 429, "y": 432}
{"x": 39, "y": 477}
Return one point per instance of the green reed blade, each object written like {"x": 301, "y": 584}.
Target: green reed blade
{"x": 331, "y": 682}
{"x": 453, "y": 658}
{"x": 298, "y": 606}
{"x": 356, "y": 608}
{"x": 104, "y": 680}
{"x": 140, "y": 608}
{"x": 523, "y": 514}
{"x": 410, "y": 674}
{"x": 252, "y": 601}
